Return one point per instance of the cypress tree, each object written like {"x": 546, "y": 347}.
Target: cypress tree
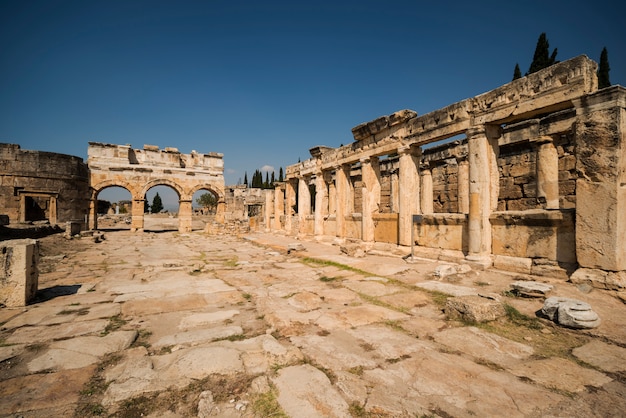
{"x": 272, "y": 181}
{"x": 266, "y": 185}
{"x": 517, "y": 73}
{"x": 280, "y": 174}
{"x": 542, "y": 58}
{"x": 603, "y": 70}
{"x": 157, "y": 204}
{"x": 245, "y": 178}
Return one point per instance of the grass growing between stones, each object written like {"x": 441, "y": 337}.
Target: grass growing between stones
{"x": 115, "y": 322}
{"x": 92, "y": 392}
{"x": 310, "y": 261}
{"x": 266, "y": 405}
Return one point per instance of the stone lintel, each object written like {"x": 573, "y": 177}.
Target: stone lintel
{"x": 548, "y": 90}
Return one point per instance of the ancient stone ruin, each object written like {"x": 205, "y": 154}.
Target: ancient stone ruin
{"x": 530, "y": 180}
{"x": 527, "y": 177}
{"x": 139, "y": 170}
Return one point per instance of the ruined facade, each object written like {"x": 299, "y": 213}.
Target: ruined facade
{"x": 138, "y": 170}
{"x": 531, "y": 178}
{"x": 39, "y": 186}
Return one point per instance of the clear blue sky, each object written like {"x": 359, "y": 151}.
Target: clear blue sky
{"x": 264, "y": 81}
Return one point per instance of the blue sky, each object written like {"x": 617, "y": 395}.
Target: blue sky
{"x": 264, "y": 81}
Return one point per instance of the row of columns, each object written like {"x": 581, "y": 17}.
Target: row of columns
{"x": 478, "y": 188}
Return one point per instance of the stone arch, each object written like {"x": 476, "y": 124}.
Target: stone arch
{"x": 162, "y": 182}
{"x": 95, "y": 190}
{"x": 210, "y": 187}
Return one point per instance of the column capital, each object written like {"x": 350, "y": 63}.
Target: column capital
{"x": 413, "y": 150}
{"x": 365, "y": 160}
{"x": 492, "y": 131}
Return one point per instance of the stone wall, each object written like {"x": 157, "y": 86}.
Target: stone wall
{"x": 37, "y": 186}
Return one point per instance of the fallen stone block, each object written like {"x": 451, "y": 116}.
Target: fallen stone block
{"x": 570, "y": 313}
{"x": 473, "y": 308}
{"x": 531, "y": 289}
{"x": 599, "y": 278}
{"x": 295, "y": 247}
{"x": 352, "y": 250}
{"x": 445, "y": 270}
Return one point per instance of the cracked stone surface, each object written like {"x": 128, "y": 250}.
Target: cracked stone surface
{"x": 192, "y": 322}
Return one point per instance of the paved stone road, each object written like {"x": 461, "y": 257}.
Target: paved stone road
{"x": 164, "y": 324}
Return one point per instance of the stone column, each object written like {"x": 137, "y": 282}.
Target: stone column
{"x": 53, "y": 210}
{"x": 426, "y": 191}
{"x": 279, "y": 205}
{"x": 92, "y": 221}
{"x": 483, "y": 190}
{"x": 268, "y": 209}
{"x": 321, "y": 203}
{"x": 290, "y": 197}
{"x": 600, "y": 130}
{"x": 304, "y": 204}
{"x": 137, "y": 215}
{"x": 547, "y": 172}
{"x": 332, "y": 196}
{"x": 220, "y": 212}
{"x": 185, "y": 213}
{"x": 409, "y": 188}
{"x": 395, "y": 191}
{"x": 370, "y": 176}
{"x": 343, "y": 193}
{"x": 463, "y": 186}
{"x": 22, "y": 208}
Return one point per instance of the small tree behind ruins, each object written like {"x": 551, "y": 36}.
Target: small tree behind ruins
{"x": 157, "y": 204}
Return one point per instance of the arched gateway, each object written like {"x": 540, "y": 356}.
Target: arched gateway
{"x": 137, "y": 170}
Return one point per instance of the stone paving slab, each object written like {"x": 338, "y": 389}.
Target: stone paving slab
{"x": 372, "y": 288}
{"x": 354, "y": 316}
{"x": 199, "y": 336}
{"x": 306, "y": 392}
{"x": 81, "y": 351}
{"x": 151, "y": 304}
{"x": 450, "y": 289}
{"x": 460, "y": 387}
{"x": 607, "y": 357}
{"x": 560, "y": 374}
{"x": 484, "y": 345}
{"x": 197, "y": 320}
{"x": 29, "y": 335}
{"x": 42, "y": 391}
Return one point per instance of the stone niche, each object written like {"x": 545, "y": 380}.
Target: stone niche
{"x": 19, "y": 275}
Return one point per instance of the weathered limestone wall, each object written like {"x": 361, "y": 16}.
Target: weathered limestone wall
{"x": 36, "y": 185}
{"x": 19, "y": 275}
{"x": 530, "y": 178}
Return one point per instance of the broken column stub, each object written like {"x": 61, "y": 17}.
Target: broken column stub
{"x": 571, "y": 313}
{"x": 19, "y": 275}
